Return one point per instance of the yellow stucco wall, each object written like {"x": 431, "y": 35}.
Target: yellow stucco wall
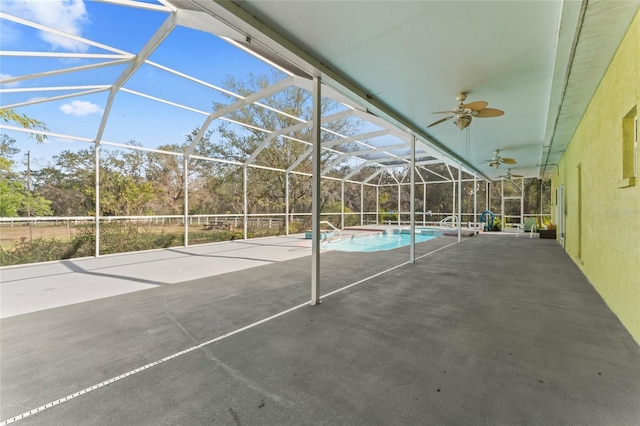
{"x": 608, "y": 247}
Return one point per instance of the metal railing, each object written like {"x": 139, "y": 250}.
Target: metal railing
{"x": 326, "y": 222}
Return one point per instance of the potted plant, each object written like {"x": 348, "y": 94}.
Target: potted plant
{"x": 548, "y": 231}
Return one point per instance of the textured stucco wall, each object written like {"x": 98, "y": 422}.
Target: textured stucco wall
{"x": 609, "y": 253}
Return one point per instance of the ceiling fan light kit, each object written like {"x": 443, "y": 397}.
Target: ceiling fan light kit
{"x": 462, "y": 121}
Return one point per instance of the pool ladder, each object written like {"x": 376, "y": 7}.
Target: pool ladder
{"x": 335, "y": 229}
{"x": 449, "y": 222}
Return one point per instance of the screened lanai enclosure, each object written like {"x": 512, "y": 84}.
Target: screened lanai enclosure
{"x": 185, "y": 131}
{"x": 183, "y": 182}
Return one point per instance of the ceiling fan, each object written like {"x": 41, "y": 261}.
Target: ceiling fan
{"x": 510, "y": 176}
{"x": 463, "y": 113}
{"x": 496, "y": 160}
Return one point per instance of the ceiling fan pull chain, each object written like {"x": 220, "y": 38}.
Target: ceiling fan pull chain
{"x": 468, "y": 138}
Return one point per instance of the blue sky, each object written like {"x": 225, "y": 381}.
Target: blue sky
{"x": 150, "y": 123}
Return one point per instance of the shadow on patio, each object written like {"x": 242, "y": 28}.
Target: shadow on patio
{"x": 494, "y": 330}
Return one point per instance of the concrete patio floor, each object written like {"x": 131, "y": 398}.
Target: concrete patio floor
{"x": 495, "y": 330}
{"x": 48, "y": 285}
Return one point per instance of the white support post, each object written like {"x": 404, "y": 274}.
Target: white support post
{"x": 377, "y": 205}
{"x": 186, "y": 200}
{"x": 286, "y": 202}
{"x": 342, "y": 204}
{"x": 412, "y": 202}
{"x": 97, "y": 203}
{"x": 460, "y": 202}
{"x": 453, "y": 201}
{"x": 399, "y": 202}
{"x": 502, "y": 218}
{"x": 424, "y": 204}
{"x": 539, "y": 212}
{"x": 245, "y": 216}
{"x": 487, "y": 195}
{"x": 361, "y": 204}
{"x": 522, "y": 203}
{"x": 475, "y": 204}
{"x": 315, "y": 194}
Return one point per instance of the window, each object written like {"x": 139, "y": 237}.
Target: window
{"x": 630, "y": 147}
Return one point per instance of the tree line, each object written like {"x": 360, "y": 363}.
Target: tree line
{"x": 137, "y": 182}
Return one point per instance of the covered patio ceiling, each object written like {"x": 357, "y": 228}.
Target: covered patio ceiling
{"x": 539, "y": 61}
{"x": 389, "y": 64}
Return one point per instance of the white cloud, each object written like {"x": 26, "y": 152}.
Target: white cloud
{"x": 9, "y": 32}
{"x": 7, "y": 76}
{"x": 65, "y": 15}
{"x": 80, "y": 108}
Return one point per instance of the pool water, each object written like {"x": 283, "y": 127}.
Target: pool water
{"x": 375, "y": 242}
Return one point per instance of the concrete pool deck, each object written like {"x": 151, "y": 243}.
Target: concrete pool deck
{"x": 30, "y": 288}
{"x": 495, "y": 330}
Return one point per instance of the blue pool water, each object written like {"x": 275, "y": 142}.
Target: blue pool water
{"x": 375, "y": 242}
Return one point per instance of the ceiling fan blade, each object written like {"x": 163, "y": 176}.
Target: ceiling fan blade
{"x": 489, "y": 112}
{"x": 441, "y": 121}
{"x": 444, "y": 112}
{"x": 476, "y": 106}
{"x": 507, "y": 160}
{"x": 518, "y": 176}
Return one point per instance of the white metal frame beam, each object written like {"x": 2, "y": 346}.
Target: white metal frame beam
{"x": 376, "y": 150}
{"x": 61, "y": 71}
{"x": 291, "y": 129}
{"x": 154, "y": 42}
{"x": 444, "y": 179}
{"x": 267, "y": 91}
{"x": 122, "y": 54}
{"x": 34, "y": 101}
{"x": 300, "y": 159}
{"x": 357, "y": 138}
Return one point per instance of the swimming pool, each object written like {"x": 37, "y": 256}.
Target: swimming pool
{"x": 375, "y": 242}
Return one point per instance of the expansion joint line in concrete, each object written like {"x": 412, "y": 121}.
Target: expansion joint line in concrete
{"x": 208, "y": 342}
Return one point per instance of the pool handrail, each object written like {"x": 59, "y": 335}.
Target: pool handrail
{"x": 326, "y": 222}
{"x": 449, "y": 222}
